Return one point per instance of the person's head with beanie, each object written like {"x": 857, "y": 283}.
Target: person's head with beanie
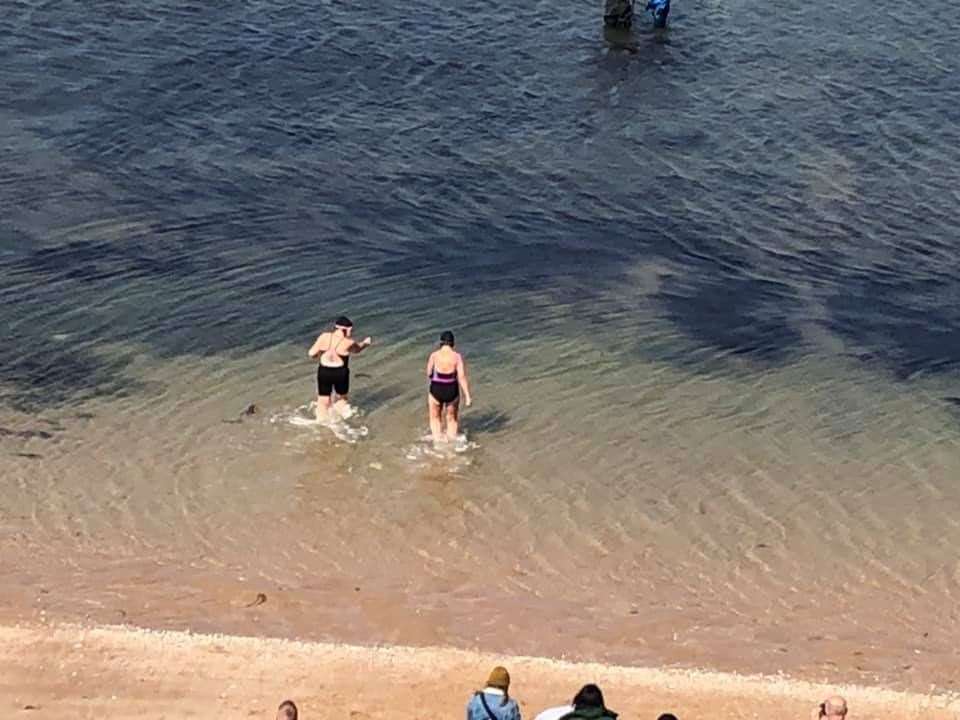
{"x": 500, "y": 679}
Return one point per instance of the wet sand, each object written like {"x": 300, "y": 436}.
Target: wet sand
{"x": 71, "y": 671}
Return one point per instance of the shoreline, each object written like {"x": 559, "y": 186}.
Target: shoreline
{"x": 127, "y": 672}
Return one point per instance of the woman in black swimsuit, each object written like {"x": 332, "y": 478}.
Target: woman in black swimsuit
{"x": 333, "y": 350}
{"x": 448, "y": 376}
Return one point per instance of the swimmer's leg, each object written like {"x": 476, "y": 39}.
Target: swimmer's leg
{"x": 342, "y": 406}
{"x": 453, "y": 420}
{"x": 323, "y": 407}
{"x": 434, "y": 410}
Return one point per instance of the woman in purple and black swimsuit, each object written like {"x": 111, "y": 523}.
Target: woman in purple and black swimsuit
{"x": 448, "y": 376}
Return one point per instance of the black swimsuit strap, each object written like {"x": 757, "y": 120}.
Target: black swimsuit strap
{"x": 331, "y": 346}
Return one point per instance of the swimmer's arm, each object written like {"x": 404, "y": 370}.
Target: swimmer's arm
{"x": 430, "y": 365}
{"x": 462, "y": 379}
{"x": 314, "y": 350}
{"x": 359, "y": 347}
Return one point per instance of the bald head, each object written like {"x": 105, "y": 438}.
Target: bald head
{"x": 834, "y": 707}
{"x": 287, "y": 711}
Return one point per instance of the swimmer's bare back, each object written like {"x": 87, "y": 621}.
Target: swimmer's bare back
{"x": 449, "y": 362}
{"x": 331, "y": 347}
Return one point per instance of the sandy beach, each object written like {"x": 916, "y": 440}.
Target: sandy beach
{"x": 69, "y": 671}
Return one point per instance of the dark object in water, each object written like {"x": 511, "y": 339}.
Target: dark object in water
{"x": 261, "y": 599}
{"x": 25, "y": 434}
{"x": 251, "y": 409}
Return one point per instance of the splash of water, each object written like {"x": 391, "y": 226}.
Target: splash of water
{"x": 305, "y": 416}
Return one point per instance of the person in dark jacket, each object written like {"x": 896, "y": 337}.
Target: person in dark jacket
{"x": 588, "y": 705}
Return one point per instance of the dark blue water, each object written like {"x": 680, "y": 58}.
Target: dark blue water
{"x": 221, "y": 179}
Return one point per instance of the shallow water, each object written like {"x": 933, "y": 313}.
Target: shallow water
{"x": 707, "y": 288}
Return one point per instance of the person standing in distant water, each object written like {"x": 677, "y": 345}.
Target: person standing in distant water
{"x": 619, "y": 13}
{"x": 660, "y": 9}
{"x": 333, "y": 350}
{"x": 448, "y": 376}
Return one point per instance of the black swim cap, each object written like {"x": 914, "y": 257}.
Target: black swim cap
{"x": 343, "y": 321}
{"x": 446, "y": 338}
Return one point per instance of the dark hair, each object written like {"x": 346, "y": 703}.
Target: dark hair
{"x": 667, "y": 716}
{"x": 288, "y": 709}
{"x": 446, "y": 338}
{"x": 589, "y": 696}
{"x": 343, "y": 321}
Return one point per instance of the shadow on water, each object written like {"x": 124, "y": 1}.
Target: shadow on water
{"x": 487, "y": 422}
{"x": 50, "y": 377}
{"x": 742, "y": 316}
{"x": 378, "y": 396}
{"x": 903, "y": 324}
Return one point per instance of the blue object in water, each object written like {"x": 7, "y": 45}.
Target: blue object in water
{"x": 660, "y": 10}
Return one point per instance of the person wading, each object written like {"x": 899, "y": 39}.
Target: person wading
{"x": 447, "y": 373}
{"x": 333, "y": 350}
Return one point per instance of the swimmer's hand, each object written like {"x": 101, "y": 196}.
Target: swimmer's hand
{"x": 468, "y": 400}
{"x": 366, "y": 342}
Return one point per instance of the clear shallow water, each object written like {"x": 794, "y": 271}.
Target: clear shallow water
{"x": 708, "y": 289}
